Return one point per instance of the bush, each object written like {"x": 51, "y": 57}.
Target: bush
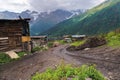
{"x": 61, "y": 41}
{"x": 63, "y": 72}
{"x": 50, "y": 44}
{"x": 113, "y": 39}
{"x": 4, "y": 58}
{"x": 78, "y": 43}
{"x": 40, "y": 48}
{"x": 21, "y": 54}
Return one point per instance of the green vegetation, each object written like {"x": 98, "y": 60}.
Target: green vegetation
{"x": 101, "y": 19}
{"x": 50, "y": 44}
{"x": 40, "y": 48}
{"x": 63, "y": 72}
{"x": 78, "y": 43}
{"x": 21, "y": 54}
{"x": 61, "y": 41}
{"x": 113, "y": 39}
{"x": 4, "y": 58}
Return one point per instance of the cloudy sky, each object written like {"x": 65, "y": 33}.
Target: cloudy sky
{"x": 46, "y": 5}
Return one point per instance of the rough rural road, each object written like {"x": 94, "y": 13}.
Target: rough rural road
{"x": 103, "y": 57}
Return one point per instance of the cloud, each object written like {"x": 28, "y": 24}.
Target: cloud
{"x": 14, "y": 5}
{"x": 48, "y": 5}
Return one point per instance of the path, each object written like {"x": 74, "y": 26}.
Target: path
{"x": 23, "y": 69}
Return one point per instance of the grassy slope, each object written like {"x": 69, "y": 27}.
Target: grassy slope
{"x": 113, "y": 39}
{"x": 101, "y": 19}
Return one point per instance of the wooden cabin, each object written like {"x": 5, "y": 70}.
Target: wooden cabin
{"x": 39, "y": 40}
{"x": 14, "y": 34}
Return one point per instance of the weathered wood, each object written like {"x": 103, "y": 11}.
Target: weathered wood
{"x": 13, "y": 30}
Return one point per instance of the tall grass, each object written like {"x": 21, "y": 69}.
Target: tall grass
{"x": 113, "y": 39}
{"x": 78, "y": 43}
{"x": 63, "y": 72}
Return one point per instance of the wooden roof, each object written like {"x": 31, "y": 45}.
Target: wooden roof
{"x": 38, "y": 37}
{"x": 14, "y": 20}
{"x": 78, "y": 36}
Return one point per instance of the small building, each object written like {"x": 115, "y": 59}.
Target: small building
{"x": 14, "y": 34}
{"x": 78, "y": 37}
{"x": 39, "y": 40}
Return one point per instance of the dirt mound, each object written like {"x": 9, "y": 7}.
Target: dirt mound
{"x": 90, "y": 43}
{"x": 56, "y": 44}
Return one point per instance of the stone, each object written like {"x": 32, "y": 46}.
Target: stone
{"x": 87, "y": 49}
{"x": 88, "y": 79}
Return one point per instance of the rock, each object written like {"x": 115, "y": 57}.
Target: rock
{"x": 110, "y": 77}
{"x": 88, "y": 79}
{"x": 12, "y": 54}
{"x": 110, "y": 73}
{"x": 69, "y": 78}
{"x": 106, "y": 78}
{"x": 87, "y": 49}
{"x": 107, "y": 58}
{"x": 25, "y": 54}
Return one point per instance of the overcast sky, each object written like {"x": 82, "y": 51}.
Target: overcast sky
{"x": 46, "y": 5}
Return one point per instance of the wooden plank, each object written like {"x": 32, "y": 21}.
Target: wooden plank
{"x": 2, "y": 44}
{"x": 4, "y": 48}
{"x": 3, "y": 38}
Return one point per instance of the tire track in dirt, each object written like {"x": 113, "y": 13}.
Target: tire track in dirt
{"x": 23, "y": 69}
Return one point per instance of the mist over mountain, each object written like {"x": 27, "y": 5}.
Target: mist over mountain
{"x": 47, "y": 20}
{"x": 101, "y": 19}
{"x": 8, "y": 15}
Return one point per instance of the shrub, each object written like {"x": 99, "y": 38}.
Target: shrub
{"x": 78, "y": 43}
{"x": 21, "y": 54}
{"x": 40, "y": 48}
{"x": 50, "y": 44}
{"x": 66, "y": 71}
{"x": 4, "y": 58}
{"x": 113, "y": 39}
{"x": 61, "y": 41}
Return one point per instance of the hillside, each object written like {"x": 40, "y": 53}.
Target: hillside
{"x": 47, "y": 20}
{"x": 100, "y": 19}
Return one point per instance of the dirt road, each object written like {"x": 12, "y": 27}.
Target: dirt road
{"x": 107, "y": 60}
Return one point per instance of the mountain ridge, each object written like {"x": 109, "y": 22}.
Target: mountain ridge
{"x": 95, "y": 21}
{"x": 47, "y": 20}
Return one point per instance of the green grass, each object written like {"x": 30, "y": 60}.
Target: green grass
{"x": 40, "y": 48}
{"x": 4, "y": 58}
{"x": 113, "y": 39}
{"x": 50, "y": 44}
{"x": 78, "y": 43}
{"x": 21, "y": 54}
{"x": 62, "y": 72}
{"x": 61, "y": 41}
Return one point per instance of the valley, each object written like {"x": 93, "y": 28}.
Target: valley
{"x": 105, "y": 58}
{"x": 61, "y": 43}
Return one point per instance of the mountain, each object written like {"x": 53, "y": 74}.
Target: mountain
{"x": 25, "y": 14}
{"x": 100, "y": 19}
{"x": 47, "y": 20}
{"x": 43, "y": 21}
{"x": 33, "y": 15}
{"x": 8, "y": 15}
